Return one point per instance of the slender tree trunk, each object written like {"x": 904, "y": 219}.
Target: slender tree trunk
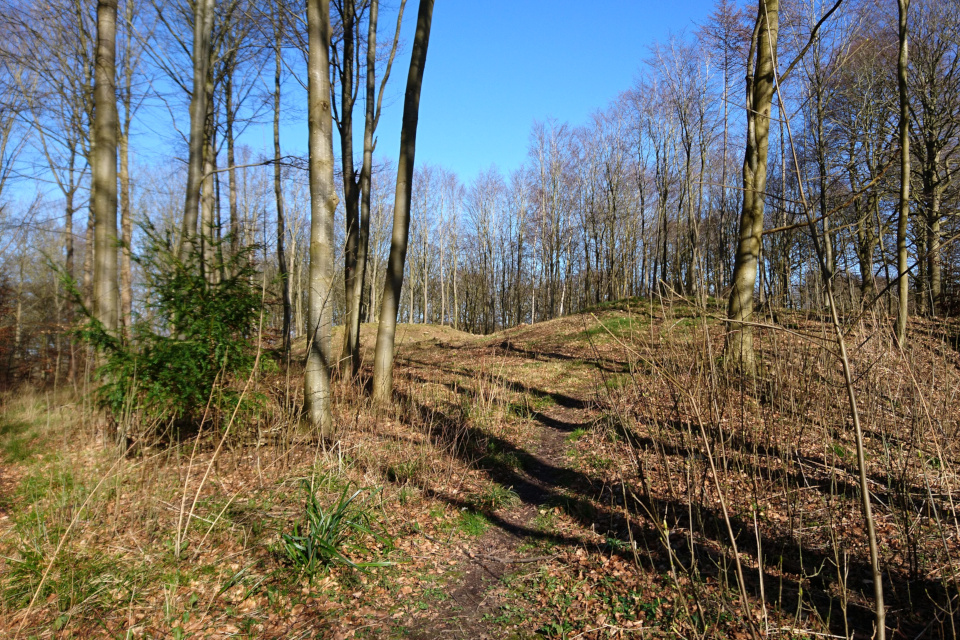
{"x": 903, "y": 288}
{"x": 351, "y": 200}
{"x": 103, "y": 197}
{"x": 208, "y": 200}
{"x": 456, "y": 295}
{"x": 69, "y": 266}
{"x": 443, "y": 284}
{"x": 934, "y": 267}
{"x": 323, "y": 204}
{"x": 126, "y": 215}
{"x": 88, "y": 260}
{"x": 277, "y": 180}
{"x": 231, "y": 161}
{"x": 739, "y": 346}
{"x": 386, "y": 332}
{"x": 18, "y": 325}
{"x": 371, "y": 117}
{"x": 126, "y": 229}
{"x": 424, "y": 319}
{"x": 202, "y": 28}
{"x": 821, "y": 152}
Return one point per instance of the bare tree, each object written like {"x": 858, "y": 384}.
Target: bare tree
{"x": 934, "y": 87}
{"x": 277, "y": 19}
{"x": 760, "y": 77}
{"x": 357, "y": 196}
{"x": 130, "y": 60}
{"x": 323, "y": 204}
{"x": 903, "y": 288}
{"x": 203, "y": 16}
{"x": 386, "y": 332}
{"x": 103, "y": 199}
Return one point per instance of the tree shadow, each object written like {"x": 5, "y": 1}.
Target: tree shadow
{"x": 595, "y": 503}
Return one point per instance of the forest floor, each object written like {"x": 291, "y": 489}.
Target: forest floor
{"x": 578, "y": 478}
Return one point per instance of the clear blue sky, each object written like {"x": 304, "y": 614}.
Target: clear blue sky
{"x": 495, "y": 66}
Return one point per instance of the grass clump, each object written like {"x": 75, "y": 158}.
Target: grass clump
{"x": 324, "y": 535}
{"x": 474, "y": 523}
{"x": 494, "y": 497}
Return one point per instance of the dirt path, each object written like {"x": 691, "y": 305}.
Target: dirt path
{"x": 478, "y": 586}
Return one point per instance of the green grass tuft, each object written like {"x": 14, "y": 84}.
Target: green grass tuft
{"x": 474, "y": 523}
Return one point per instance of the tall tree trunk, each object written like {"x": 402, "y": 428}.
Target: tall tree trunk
{"x": 208, "y": 200}
{"x": 69, "y": 267}
{"x": 202, "y": 28}
{"x": 386, "y": 332}
{"x": 88, "y": 260}
{"x": 277, "y": 182}
{"x": 739, "y": 345}
{"x": 230, "y": 116}
{"x": 18, "y": 326}
{"x": 934, "y": 267}
{"x": 103, "y": 198}
{"x": 126, "y": 228}
{"x": 424, "y": 319}
{"x": 126, "y": 216}
{"x": 371, "y": 118}
{"x": 866, "y": 244}
{"x": 323, "y": 204}
{"x": 903, "y": 288}
{"x": 351, "y": 194}
{"x": 822, "y": 170}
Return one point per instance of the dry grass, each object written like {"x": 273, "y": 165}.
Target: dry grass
{"x": 564, "y": 463}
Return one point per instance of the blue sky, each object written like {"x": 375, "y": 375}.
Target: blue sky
{"x": 495, "y": 66}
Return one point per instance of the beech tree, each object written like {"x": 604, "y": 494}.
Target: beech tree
{"x": 934, "y": 85}
{"x": 203, "y": 16}
{"x": 103, "y": 199}
{"x": 277, "y": 22}
{"x": 323, "y": 203}
{"x": 760, "y": 85}
{"x": 356, "y": 189}
{"x": 386, "y": 331}
{"x": 903, "y": 285}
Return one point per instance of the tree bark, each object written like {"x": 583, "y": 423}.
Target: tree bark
{"x": 208, "y": 199}
{"x": 277, "y": 181}
{"x": 126, "y": 216}
{"x": 323, "y": 204}
{"x": 69, "y": 267}
{"x": 934, "y": 266}
{"x": 903, "y": 288}
{"x": 103, "y": 199}
{"x": 351, "y": 200}
{"x": 739, "y": 344}
{"x": 202, "y": 28}
{"x": 230, "y": 116}
{"x": 371, "y": 118}
{"x": 386, "y": 332}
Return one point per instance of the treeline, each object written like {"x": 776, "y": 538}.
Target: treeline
{"x": 644, "y": 198}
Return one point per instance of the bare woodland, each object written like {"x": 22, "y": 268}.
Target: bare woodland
{"x": 690, "y": 370}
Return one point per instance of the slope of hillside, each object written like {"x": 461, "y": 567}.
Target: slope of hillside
{"x": 574, "y": 478}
